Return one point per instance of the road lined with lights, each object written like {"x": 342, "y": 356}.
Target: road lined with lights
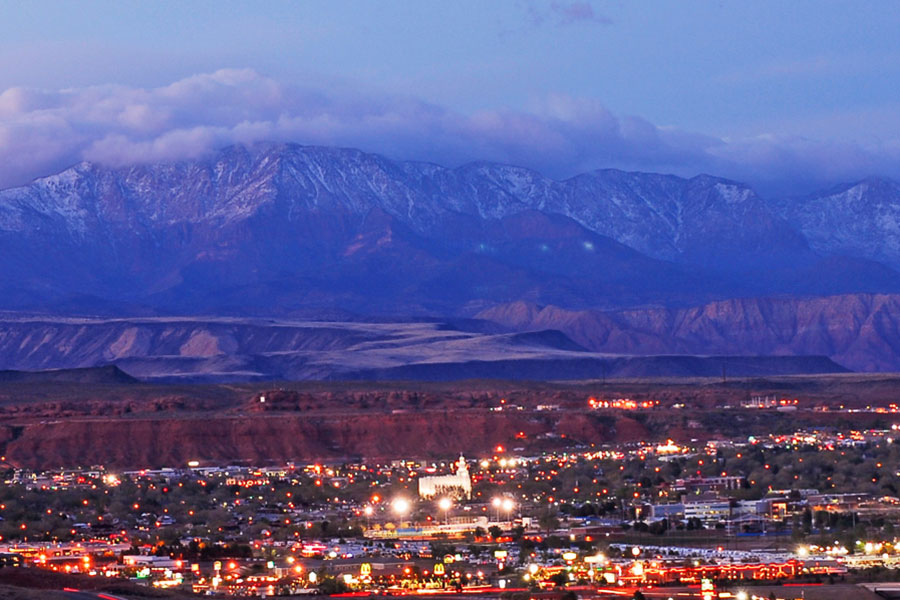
{"x": 85, "y": 595}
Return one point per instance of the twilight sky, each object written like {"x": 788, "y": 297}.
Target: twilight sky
{"x": 788, "y": 96}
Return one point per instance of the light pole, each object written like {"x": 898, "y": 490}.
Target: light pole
{"x": 401, "y": 507}
{"x": 496, "y": 502}
{"x": 508, "y": 505}
{"x": 445, "y": 504}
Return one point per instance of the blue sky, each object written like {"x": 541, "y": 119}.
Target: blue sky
{"x": 786, "y": 95}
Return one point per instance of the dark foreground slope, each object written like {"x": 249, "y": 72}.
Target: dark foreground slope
{"x": 587, "y": 368}
{"x": 110, "y": 375}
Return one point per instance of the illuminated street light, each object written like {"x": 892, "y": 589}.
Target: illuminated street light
{"x": 496, "y": 502}
{"x": 400, "y": 506}
{"x": 741, "y": 595}
{"x": 445, "y": 504}
{"x": 508, "y": 505}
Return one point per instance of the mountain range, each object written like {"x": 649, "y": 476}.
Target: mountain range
{"x": 635, "y": 263}
{"x": 225, "y": 349}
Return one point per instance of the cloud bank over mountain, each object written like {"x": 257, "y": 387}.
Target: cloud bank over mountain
{"x": 43, "y": 131}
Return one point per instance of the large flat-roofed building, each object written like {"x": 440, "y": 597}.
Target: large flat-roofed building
{"x": 459, "y": 484}
{"x": 699, "y": 485}
{"x": 708, "y": 511}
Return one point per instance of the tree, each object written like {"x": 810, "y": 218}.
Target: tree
{"x": 329, "y": 585}
{"x": 548, "y": 520}
{"x": 559, "y": 579}
{"x": 807, "y": 521}
{"x": 659, "y": 527}
{"x": 495, "y": 531}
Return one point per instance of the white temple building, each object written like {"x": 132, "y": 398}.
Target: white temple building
{"x": 458, "y": 485}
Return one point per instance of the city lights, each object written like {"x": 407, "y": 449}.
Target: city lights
{"x": 507, "y": 507}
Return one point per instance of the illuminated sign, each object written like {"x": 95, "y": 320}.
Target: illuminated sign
{"x": 707, "y": 589}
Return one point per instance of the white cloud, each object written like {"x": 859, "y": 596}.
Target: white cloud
{"x": 42, "y": 131}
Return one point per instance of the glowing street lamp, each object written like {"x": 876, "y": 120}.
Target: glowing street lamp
{"x": 401, "y": 507}
{"x": 496, "y": 502}
{"x": 508, "y": 505}
{"x": 445, "y": 504}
